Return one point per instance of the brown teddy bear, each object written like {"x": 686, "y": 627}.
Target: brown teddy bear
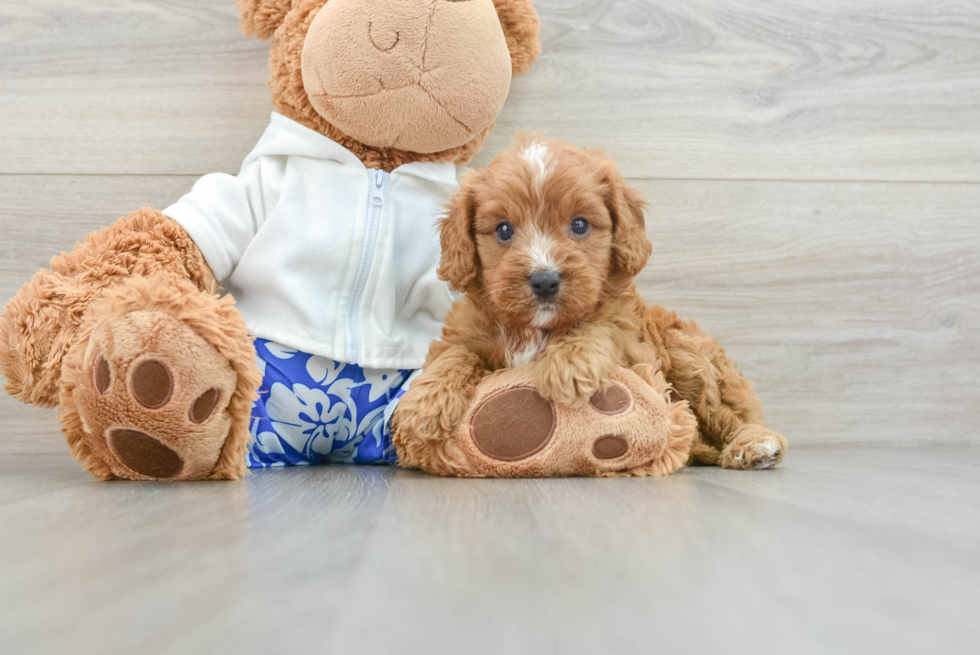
{"x": 326, "y": 239}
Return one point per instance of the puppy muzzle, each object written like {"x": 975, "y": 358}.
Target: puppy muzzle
{"x": 545, "y": 284}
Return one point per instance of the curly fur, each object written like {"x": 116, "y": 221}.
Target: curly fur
{"x": 597, "y": 323}
{"x": 41, "y": 323}
{"x": 261, "y": 18}
{"x": 522, "y": 28}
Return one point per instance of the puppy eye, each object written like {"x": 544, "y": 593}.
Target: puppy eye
{"x": 580, "y": 227}
{"x": 505, "y": 232}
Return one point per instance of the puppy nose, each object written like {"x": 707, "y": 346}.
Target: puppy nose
{"x": 545, "y": 283}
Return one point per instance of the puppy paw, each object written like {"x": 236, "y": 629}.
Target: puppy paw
{"x": 570, "y": 378}
{"x": 431, "y": 411}
{"x": 754, "y": 447}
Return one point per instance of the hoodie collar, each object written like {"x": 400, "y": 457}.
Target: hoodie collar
{"x": 286, "y": 137}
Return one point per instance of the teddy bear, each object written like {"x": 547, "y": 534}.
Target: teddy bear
{"x": 325, "y": 240}
{"x": 276, "y": 317}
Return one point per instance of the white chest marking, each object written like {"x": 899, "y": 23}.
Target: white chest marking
{"x": 543, "y": 317}
{"x": 541, "y": 250}
{"x": 520, "y": 352}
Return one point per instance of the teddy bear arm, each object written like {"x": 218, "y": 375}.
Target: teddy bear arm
{"x": 40, "y": 324}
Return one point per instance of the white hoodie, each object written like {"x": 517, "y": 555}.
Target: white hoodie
{"x": 323, "y": 254}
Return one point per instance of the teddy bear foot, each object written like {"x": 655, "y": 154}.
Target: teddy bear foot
{"x": 754, "y": 447}
{"x": 151, "y": 398}
{"x": 631, "y": 428}
{"x": 146, "y": 397}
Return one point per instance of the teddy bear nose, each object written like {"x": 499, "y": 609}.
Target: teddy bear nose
{"x": 545, "y": 284}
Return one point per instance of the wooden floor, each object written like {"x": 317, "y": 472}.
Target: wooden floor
{"x": 844, "y": 550}
{"x": 813, "y": 169}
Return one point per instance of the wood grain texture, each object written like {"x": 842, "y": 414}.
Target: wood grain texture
{"x": 196, "y": 568}
{"x": 844, "y": 550}
{"x": 855, "y": 308}
{"x": 869, "y": 89}
{"x": 132, "y": 87}
{"x": 755, "y": 130}
{"x": 795, "y": 89}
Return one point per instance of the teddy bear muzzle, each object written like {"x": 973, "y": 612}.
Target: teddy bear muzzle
{"x": 405, "y": 75}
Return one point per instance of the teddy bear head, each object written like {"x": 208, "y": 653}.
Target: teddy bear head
{"x": 396, "y": 81}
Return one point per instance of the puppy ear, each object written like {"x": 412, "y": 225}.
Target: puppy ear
{"x": 522, "y": 27}
{"x": 631, "y": 247}
{"x": 456, "y": 232}
{"x": 261, "y": 18}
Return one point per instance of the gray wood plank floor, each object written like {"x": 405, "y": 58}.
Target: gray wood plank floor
{"x": 813, "y": 170}
{"x": 843, "y": 550}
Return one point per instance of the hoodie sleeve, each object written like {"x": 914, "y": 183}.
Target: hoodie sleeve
{"x": 223, "y": 213}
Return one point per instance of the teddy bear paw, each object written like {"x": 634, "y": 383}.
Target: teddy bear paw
{"x": 628, "y": 428}
{"x": 152, "y": 398}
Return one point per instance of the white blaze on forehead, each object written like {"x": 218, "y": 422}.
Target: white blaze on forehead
{"x": 539, "y": 159}
{"x": 541, "y": 249}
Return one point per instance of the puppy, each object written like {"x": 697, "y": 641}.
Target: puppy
{"x": 545, "y": 243}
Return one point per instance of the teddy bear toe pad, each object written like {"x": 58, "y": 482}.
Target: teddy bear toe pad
{"x": 513, "y": 424}
{"x": 145, "y": 455}
{"x": 151, "y": 404}
{"x": 610, "y": 446}
{"x": 152, "y": 385}
{"x": 611, "y": 401}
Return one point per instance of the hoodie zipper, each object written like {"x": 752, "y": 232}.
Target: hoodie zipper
{"x": 376, "y": 201}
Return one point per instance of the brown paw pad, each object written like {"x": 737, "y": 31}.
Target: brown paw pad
{"x": 204, "y": 405}
{"x": 610, "y": 446}
{"x": 614, "y": 400}
{"x": 152, "y": 384}
{"x": 513, "y": 424}
{"x": 103, "y": 375}
{"x": 144, "y": 455}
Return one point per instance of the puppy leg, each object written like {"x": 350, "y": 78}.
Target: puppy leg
{"x": 730, "y": 420}
{"x": 439, "y": 398}
{"x": 572, "y": 368}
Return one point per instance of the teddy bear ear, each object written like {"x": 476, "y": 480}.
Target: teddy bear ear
{"x": 522, "y": 27}
{"x": 261, "y": 18}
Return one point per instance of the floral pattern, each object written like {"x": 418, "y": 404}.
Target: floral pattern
{"x": 314, "y": 410}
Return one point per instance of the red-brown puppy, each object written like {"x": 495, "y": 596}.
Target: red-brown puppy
{"x": 545, "y": 243}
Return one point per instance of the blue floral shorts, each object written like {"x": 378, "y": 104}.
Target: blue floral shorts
{"x": 314, "y": 410}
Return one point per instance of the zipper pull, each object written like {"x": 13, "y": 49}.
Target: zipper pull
{"x": 378, "y": 193}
